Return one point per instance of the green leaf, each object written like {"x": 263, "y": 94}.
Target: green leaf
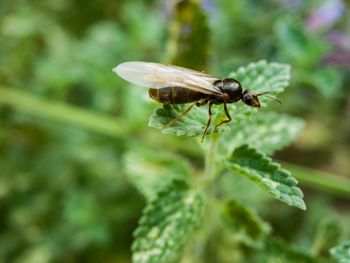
{"x": 277, "y": 250}
{"x": 297, "y": 45}
{"x": 151, "y": 172}
{"x": 328, "y": 235}
{"x": 342, "y": 252}
{"x": 327, "y": 80}
{"x": 192, "y": 124}
{"x": 260, "y": 76}
{"x": 166, "y": 224}
{"x": 267, "y": 132}
{"x": 245, "y": 224}
{"x": 270, "y": 176}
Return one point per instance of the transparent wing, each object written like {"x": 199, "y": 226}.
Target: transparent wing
{"x": 158, "y": 76}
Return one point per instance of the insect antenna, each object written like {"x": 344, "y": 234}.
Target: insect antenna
{"x": 269, "y": 96}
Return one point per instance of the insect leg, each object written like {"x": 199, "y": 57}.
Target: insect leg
{"x": 173, "y": 121}
{"x": 201, "y": 103}
{"x": 209, "y": 120}
{"x": 227, "y": 115}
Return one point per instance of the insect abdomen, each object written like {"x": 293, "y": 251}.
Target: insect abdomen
{"x": 175, "y": 95}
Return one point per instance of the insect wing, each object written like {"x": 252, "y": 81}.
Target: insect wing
{"x": 158, "y": 76}
{"x": 202, "y": 75}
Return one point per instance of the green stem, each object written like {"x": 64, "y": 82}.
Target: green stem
{"x": 62, "y": 112}
{"x": 336, "y": 185}
{"x": 196, "y": 249}
{"x": 210, "y": 159}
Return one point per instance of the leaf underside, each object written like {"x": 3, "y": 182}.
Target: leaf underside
{"x": 260, "y": 76}
{"x": 166, "y": 224}
{"x": 270, "y": 176}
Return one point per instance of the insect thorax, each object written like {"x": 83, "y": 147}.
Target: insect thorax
{"x": 231, "y": 87}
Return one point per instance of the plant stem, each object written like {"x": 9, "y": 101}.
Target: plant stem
{"x": 62, "y": 112}
{"x": 336, "y": 185}
{"x": 196, "y": 250}
{"x": 210, "y": 159}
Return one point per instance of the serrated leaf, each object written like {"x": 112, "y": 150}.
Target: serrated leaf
{"x": 260, "y": 76}
{"x": 166, "y": 224}
{"x": 235, "y": 187}
{"x": 270, "y": 176}
{"x": 341, "y": 253}
{"x": 267, "y": 132}
{"x": 245, "y": 224}
{"x": 151, "y": 172}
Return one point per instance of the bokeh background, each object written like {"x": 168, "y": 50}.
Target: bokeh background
{"x": 68, "y": 125}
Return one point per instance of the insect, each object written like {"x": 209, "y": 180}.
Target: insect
{"x": 170, "y": 84}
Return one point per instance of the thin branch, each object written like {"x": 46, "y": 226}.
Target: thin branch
{"x": 62, "y": 112}
{"x": 327, "y": 182}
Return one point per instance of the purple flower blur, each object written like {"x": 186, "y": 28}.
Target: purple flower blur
{"x": 340, "y": 55}
{"x": 208, "y": 5}
{"x": 326, "y": 15}
{"x": 339, "y": 39}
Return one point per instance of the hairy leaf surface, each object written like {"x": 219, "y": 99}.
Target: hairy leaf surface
{"x": 166, "y": 224}
{"x": 267, "y": 132}
{"x": 270, "y": 176}
{"x": 151, "y": 172}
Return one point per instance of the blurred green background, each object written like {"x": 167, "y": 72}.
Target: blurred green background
{"x": 69, "y": 126}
